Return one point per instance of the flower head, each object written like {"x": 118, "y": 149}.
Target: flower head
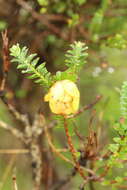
{"x": 63, "y": 97}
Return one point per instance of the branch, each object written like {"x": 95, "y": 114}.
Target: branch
{"x": 13, "y": 130}
{"x": 73, "y": 151}
{"x": 41, "y": 18}
{"x": 20, "y": 117}
{"x": 14, "y": 151}
{"x": 6, "y": 61}
{"x": 89, "y": 106}
{"x": 57, "y": 151}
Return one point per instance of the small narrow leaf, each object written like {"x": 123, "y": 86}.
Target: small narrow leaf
{"x": 29, "y": 64}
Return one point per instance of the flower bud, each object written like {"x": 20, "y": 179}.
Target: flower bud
{"x": 63, "y": 97}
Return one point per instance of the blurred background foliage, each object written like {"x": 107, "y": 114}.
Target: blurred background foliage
{"x": 47, "y": 27}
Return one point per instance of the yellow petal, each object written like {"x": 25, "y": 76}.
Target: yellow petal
{"x": 63, "y": 97}
{"x": 47, "y": 97}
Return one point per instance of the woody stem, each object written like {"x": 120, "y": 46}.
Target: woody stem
{"x": 72, "y": 150}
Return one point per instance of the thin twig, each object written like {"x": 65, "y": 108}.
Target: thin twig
{"x": 73, "y": 151}
{"x": 41, "y": 18}
{"x": 20, "y": 117}
{"x": 54, "y": 149}
{"x": 82, "y": 186}
{"x": 6, "y": 61}
{"x": 14, "y": 151}
{"x": 13, "y": 130}
{"x": 6, "y": 65}
{"x": 64, "y": 182}
{"x": 89, "y": 106}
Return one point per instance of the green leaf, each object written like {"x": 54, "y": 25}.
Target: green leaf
{"x": 113, "y": 147}
{"x": 75, "y": 60}
{"x": 29, "y": 64}
{"x": 117, "y": 139}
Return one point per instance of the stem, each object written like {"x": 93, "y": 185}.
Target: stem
{"x": 15, "y": 183}
{"x": 36, "y": 164}
{"x": 58, "y": 153}
{"x": 91, "y": 185}
{"x": 72, "y": 150}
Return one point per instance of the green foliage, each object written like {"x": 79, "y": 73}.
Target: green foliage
{"x": 59, "y": 121}
{"x": 123, "y": 100}
{"x": 116, "y": 160}
{"x": 118, "y": 149}
{"x": 60, "y": 7}
{"x": 97, "y": 20}
{"x": 44, "y": 5}
{"x": 113, "y": 147}
{"x": 74, "y": 20}
{"x": 76, "y": 58}
{"x": 104, "y": 5}
{"x": 29, "y": 65}
{"x": 117, "y": 41}
{"x": 118, "y": 153}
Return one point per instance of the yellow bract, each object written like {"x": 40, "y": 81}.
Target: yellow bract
{"x": 63, "y": 97}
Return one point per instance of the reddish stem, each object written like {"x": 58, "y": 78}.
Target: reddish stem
{"x": 73, "y": 151}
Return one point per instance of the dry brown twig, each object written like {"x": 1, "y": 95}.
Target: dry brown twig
{"x": 87, "y": 107}
{"x": 52, "y": 146}
{"x": 17, "y": 115}
{"x": 6, "y": 61}
{"x": 44, "y": 19}
{"x": 6, "y": 66}
{"x": 14, "y": 151}
{"x": 28, "y": 136}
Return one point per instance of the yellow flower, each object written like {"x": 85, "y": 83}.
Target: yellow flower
{"x": 63, "y": 97}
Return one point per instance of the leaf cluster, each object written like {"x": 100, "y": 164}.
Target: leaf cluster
{"x": 123, "y": 100}
{"x": 75, "y": 60}
{"x": 29, "y": 64}
{"x": 118, "y": 149}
